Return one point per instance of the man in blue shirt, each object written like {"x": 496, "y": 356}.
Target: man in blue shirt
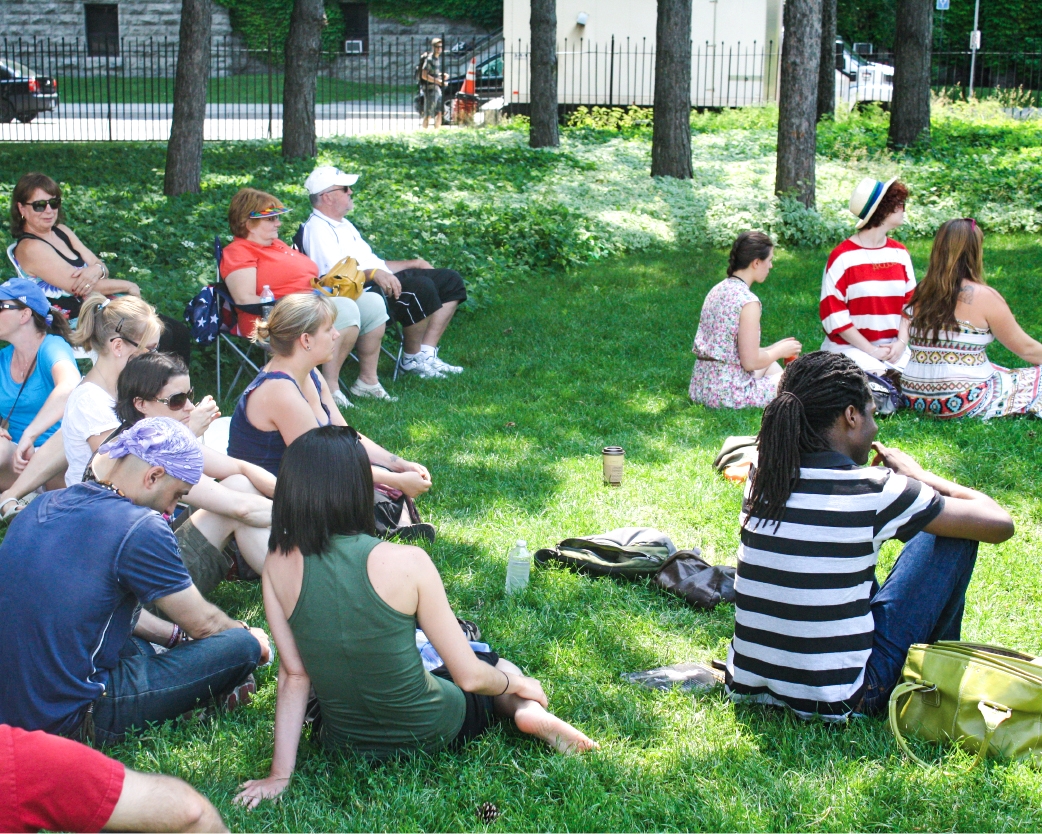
{"x": 74, "y": 568}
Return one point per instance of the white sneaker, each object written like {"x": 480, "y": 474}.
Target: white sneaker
{"x": 420, "y": 365}
{"x": 437, "y": 363}
{"x": 376, "y": 392}
{"x": 341, "y": 400}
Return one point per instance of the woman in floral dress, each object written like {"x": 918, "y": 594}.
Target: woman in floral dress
{"x": 732, "y": 370}
{"x": 955, "y": 316}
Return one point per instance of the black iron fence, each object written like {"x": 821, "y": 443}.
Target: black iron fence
{"x": 124, "y": 90}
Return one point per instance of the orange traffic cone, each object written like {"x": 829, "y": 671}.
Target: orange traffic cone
{"x": 469, "y": 87}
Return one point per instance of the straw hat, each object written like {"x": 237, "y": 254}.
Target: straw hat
{"x": 866, "y": 199}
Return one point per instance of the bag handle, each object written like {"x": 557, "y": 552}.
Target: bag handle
{"x": 993, "y": 714}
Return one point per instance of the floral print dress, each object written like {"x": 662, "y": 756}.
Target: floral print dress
{"x": 718, "y": 379}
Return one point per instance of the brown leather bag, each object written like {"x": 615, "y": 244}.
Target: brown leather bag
{"x": 703, "y": 585}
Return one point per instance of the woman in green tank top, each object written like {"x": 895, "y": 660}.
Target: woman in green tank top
{"x": 343, "y": 608}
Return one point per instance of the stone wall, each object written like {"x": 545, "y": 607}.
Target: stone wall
{"x": 27, "y": 19}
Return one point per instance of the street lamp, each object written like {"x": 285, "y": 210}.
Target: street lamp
{"x": 974, "y": 44}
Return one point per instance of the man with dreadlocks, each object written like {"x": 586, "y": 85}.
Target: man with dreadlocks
{"x": 813, "y": 630}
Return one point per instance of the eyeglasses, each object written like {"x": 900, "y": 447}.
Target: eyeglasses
{"x": 11, "y": 305}
{"x": 40, "y": 205}
{"x": 129, "y": 341}
{"x": 176, "y": 402}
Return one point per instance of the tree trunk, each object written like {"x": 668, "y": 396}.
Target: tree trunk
{"x": 798, "y": 100}
{"x": 910, "y": 108}
{"x": 303, "y": 48}
{"x": 671, "y": 131}
{"x": 543, "y": 131}
{"x": 827, "y": 68}
{"x": 184, "y": 151}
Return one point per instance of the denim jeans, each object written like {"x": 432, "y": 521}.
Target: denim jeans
{"x": 921, "y": 601}
{"x": 148, "y": 687}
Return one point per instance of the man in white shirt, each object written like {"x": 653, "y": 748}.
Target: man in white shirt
{"x": 421, "y": 298}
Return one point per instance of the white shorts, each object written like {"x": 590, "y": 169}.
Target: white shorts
{"x": 367, "y": 313}
{"x": 866, "y": 362}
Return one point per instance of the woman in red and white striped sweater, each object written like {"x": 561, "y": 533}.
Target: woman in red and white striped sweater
{"x": 869, "y": 281}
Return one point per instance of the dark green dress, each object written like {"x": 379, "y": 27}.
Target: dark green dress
{"x": 362, "y": 659}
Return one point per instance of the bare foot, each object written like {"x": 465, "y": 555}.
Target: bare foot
{"x": 562, "y": 736}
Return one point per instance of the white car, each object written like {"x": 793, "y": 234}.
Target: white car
{"x": 860, "y": 80}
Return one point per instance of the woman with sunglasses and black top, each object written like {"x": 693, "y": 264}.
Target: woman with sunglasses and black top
{"x": 37, "y": 373}
{"x": 955, "y": 316}
{"x": 50, "y": 253}
{"x": 233, "y": 498}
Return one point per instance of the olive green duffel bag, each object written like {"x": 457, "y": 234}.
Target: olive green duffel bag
{"x": 984, "y": 698}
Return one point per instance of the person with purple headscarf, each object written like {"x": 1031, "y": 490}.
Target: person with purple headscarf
{"x": 76, "y": 565}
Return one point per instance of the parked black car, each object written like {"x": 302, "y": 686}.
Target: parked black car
{"x": 23, "y": 93}
{"x": 488, "y": 82}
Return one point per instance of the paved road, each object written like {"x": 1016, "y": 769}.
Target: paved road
{"x": 126, "y": 122}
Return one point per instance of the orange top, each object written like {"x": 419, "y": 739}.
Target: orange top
{"x": 283, "y": 269}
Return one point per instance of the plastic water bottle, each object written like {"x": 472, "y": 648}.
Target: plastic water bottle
{"x": 519, "y": 565}
{"x": 267, "y": 300}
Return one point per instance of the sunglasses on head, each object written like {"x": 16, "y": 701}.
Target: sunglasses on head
{"x": 175, "y": 402}
{"x": 40, "y": 205}
{"x": 972, "y": 222}
{"x": 128, "y": 340}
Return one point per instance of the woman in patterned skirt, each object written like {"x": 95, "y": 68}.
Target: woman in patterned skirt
{"x": 732, "y": 370}
{"x": 955, "y": 316}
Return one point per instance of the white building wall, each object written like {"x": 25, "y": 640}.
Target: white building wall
{"x": 735, "y": 51}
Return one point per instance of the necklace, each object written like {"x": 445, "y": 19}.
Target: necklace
{"x": 111, "y": 488}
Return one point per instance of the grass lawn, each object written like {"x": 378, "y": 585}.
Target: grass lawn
{"x": 557, "y": 368}
{"x": 231, "y": 89}
{"x": 559, "y": 364}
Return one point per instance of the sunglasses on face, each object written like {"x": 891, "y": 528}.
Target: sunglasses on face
{"x": 344, "y": 188}
{"x": 40, "y": 205}
{"x": 175, "y": 402}
{"x": 11, "y": 305}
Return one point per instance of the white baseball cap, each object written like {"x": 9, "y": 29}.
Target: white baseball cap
{"x": 326, "y": 177}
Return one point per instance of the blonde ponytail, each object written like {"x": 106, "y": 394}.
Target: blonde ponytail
{"x": 292, "y": 317}
{"x": 101, "y": 320}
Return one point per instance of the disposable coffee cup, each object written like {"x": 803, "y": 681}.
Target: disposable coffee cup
{"x": 613, "y": 459}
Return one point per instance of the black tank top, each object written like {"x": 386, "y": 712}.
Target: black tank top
{"x": 64, "y": 238}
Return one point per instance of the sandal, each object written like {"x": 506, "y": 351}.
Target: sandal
{"x": 8, "y": 512}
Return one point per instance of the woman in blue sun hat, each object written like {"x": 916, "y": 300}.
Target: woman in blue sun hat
{"x": 37, "y": 373}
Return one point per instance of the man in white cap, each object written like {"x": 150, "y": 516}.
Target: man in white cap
{"x": 75, "y": 566}
{"x": 421, "y": 298}
{"x": 868, "y": 283}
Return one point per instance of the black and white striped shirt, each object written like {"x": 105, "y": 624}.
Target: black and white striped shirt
{"x": 803, "y": 617}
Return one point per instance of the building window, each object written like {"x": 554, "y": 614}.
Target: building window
{"x": 356, "y": 27}
{"x": 102, "y": 28}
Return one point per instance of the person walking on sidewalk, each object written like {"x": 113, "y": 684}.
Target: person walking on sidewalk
{"x": 421, "y": 298}
{"x": 432, "y": 79}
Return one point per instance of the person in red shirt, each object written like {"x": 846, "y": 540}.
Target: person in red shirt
{"x": 258, "y": 259}
{"x": 56, "y": 784}
{"x": 869, "y": 281}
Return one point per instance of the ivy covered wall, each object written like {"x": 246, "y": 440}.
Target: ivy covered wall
{"x": 256, "y": 22}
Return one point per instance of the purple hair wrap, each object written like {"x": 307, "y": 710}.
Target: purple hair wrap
{"x": 160, "y": 441}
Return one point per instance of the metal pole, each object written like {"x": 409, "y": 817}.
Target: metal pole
{"x": 974, "y": 43}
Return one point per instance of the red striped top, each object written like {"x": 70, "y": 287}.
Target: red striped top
{"x": 867, "y": 289}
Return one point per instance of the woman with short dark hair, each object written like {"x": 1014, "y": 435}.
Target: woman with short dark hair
{"x": 50, "y": 253}
{"x": 343, "y": 608}
{"x": 732, "y": 370}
